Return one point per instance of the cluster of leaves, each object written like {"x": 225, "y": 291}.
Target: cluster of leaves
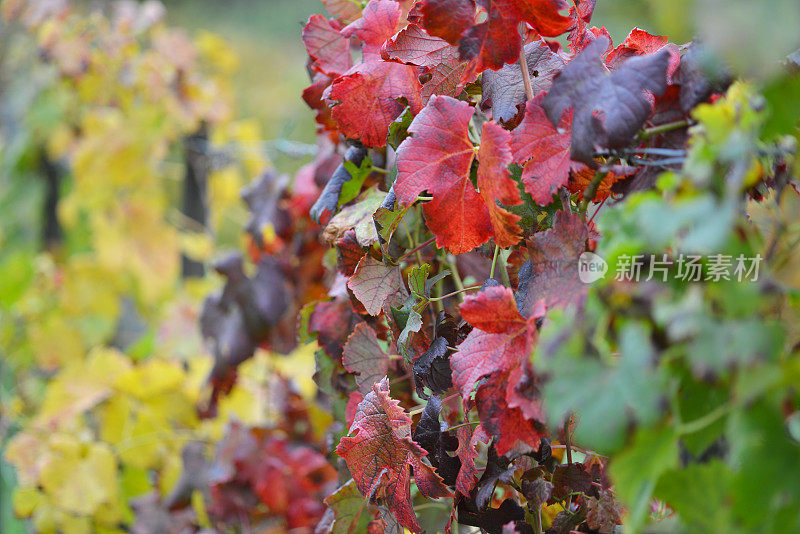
{"x": 477, "y": 153}
{"x": 109, "y": 397}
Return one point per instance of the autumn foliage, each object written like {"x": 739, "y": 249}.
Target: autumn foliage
{"x": 471, "y": 156}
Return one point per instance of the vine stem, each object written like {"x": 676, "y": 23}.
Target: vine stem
{"x": 504, "y": 271}
{"x": 416, "y": 249}
{"x": 591, "y": 190}
{"x": 411, "y": 242}
{"x": 563, "y": 195}
{"x": 454, "y": 293}
{"x": 456, "y": 275}
{"x": 704, "y": 421}
{"x": 595, "y": 211}
{"x": 494, "y": 260}
{"x": 523, "y": 66}
{"x": 419, "y": 409}
{"x": 567, "y": 444}
{"x": 568, "y": 447}
{"x": 647, "y": 133}
{"x": 468, "y": 423}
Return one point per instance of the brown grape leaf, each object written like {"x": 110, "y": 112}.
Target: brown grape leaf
{"x": 504, "y": 89}
{"x": 356, "y": 217}
{"x": 373, "y": 283}
{"x": 609, "y": 107}
{"x": 581, "y": 179}
{"x": 380, "y": 454}
{"x": 348, "y": 253}
{"x": 468, "y": 439}
{"x": 350, "y": 509}
{"x": 604, "y": 514}
{"x": 364, "y": 356}
{"x": 512, "y": 427}
{"x": 554, "y": 264}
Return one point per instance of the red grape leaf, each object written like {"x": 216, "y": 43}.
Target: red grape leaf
{"x": 437, "y": 159}
{"x": 609, "y": 107}
{"x": 364, "y": 356}
{"x": 580, "y": 180}
{"x": 313, "y": 97}
{"x": 380, "y": 453}
{"x": 330, "y": 320}
{"x": 373, "y": 283}
{"x": 350, "y": 410}
{"x": 447, "y": 79}
{"x": 640, "y": 43}
{"x": 414, "y": 46}
{"x": 328, "y": 49}
{"x": 494, "y": 156}
{"x": 345, "y": 11}
{"x": 468, "y": 439}
{"x": 378, "y": 22}
{"x": 544, "y": 151}
{"x": 554, "y": 264}
{"x": 348, "y": 253}
{"x": 510, "y": 426}
{"x": 580, "y": 35}
{"x": 495, "y": 41}
{"x": 504, "y": 90}
{"x": 366, "y": 99}
{"x": 543, "y": 15}
{"x": 501, "y": 340}
{"x": 447, "y": 19}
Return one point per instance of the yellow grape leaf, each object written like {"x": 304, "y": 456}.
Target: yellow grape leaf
{"x": 80, "y": 386}
{"x": 199, "y": 506}
{"x": 88, "y": 289}
{"x": 216, "y": 51}
{"x": 170, "y": 473}
{"x": 197, "y": 246}
{"x": 80, "y": 477}
{"x": 46, "y": 518}
{"x": 54, "y": 342}
{"x": 27, "y": 451}
{"x": 134, "y": 482}
{"x": 71, "y": 524}
{"x": 151, "y": 378}
{"x": 299, "y": 365}
{"x": 25, "y": 500}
